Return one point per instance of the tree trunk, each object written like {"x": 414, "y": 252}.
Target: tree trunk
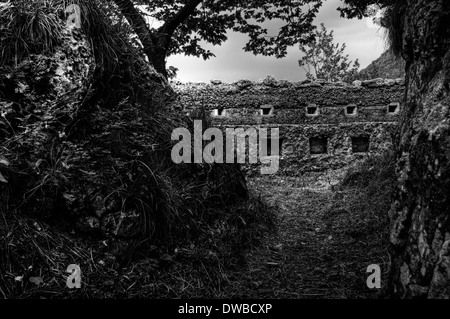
{"x": 157, "y": 52}
{"x": 155, "y": 43}
{"x": 420, "y": 215}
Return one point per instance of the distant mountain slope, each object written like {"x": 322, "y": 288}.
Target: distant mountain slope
{"x": 386, "y": 66}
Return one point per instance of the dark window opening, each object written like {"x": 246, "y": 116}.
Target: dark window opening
{"x": 393, "y": 108}
{"x": 360, "y": 144}
{"x": 267, "y": 109}
{"x": 218, "y": 112}
{"x": 318, "y": 145}
{"x": 312, "y": 110}
{"x": 351, "y": 110}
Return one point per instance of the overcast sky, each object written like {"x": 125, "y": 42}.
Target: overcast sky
{"x": 364, "y": 42}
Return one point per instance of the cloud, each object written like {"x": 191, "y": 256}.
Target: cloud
{"x": 232, "y": 63}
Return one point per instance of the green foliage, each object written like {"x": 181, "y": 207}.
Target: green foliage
{"x": 363, "y": 8}
{"x": 373, "y": 172}
{"x": 325, "y": 60}
{"x": 27, "y": 27}
{"x": 206, "y": 267}
{"x": 186, "y": 25}
{"x": 358, "y": 215}
{"x": 393, "y": 12}
{"x": 96, "y": 155}
{"x": 172, "y": 72}
{"x": 36, "y": 27}
{"x": 113, "y": 45}
{"x": 246, "y": 17}
{"x": 363, "y": 198}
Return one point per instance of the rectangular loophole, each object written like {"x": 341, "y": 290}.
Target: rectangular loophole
{"x": 318, "y": 145}
{"x": 267, "y": 110}
{"x": 351, "y": 110}
{"x": 218, "y": 112}
{"x": 360, "y": 144}
{"x": 312, "y": 110}
{"x": 393, "y": 108}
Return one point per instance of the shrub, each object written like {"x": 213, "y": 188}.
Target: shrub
{"x": 97, "y": 157}
{"x": 27, "y": 27}
{"x": 363, "y": 198}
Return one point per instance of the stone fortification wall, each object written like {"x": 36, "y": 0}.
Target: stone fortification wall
{"x": 322, "y": 125}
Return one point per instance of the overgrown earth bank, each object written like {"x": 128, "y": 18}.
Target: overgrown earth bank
{"x": 85, "y": 158}
{"x": 309, "y": 237}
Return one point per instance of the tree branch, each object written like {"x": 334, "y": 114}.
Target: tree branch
{"x": 136, "y": 21}
{"x": 169, "y": 27}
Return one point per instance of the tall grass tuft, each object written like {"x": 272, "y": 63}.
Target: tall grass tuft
{"x": 27, "y": 27}
{"x": 36, "y": 26}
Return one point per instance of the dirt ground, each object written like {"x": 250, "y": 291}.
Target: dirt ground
{"x": 320, "y": 247}
{"x": 308, "y": 256}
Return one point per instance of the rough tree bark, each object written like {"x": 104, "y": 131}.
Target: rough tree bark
{"x": 420, "y": 215}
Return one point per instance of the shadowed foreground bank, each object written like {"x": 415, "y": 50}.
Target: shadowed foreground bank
{"x": 327, "y": 229}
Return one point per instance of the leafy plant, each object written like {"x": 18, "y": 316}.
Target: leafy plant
{"x": 27, "y": 27}
{"x": 185, "y": 24}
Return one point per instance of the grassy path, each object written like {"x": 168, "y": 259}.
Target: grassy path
{"x": 311, "y": 255}
{"x": 323, "y": 242}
